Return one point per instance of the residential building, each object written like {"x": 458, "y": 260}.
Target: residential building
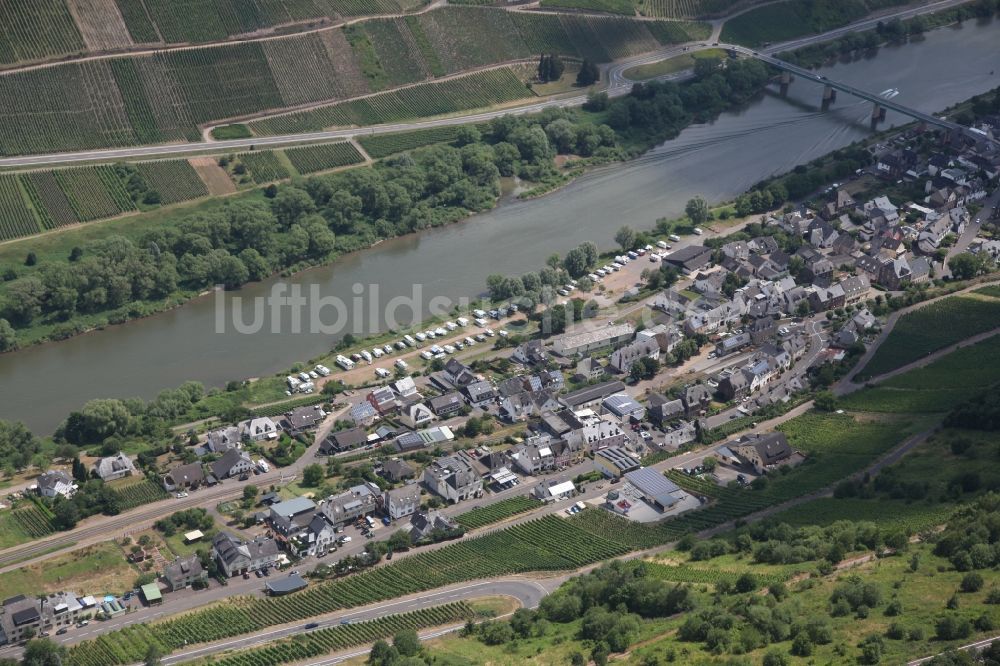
{"x": 453, "y": 478}
{"x": 233, "y": 462}
{"x": 533, "y": 456}
{"x": 302, "y": 419}
{"x": 571, "y": 344}
{"x": 236, "y": 556}
{"x": 223, "y": 439}
{"x": 553, "y": 490}
{"x": 383, "y": 399}
{"x": 479, "y": 393}
{"x": 599, "y": 431}
{"x": 459, "y": 374}
{"x": 364, "y": 414}
{"x": 530, "y": 353}
{"x": 114, "y": 467}
{"x": 291, "y": 515}
{"x": 733, "y": 343}
{"x": 356, "y": 502}
{"x": 696, "y": 399}
{"x": 401, "y": 502}
{"x": 416, "y": 415}
{"x": 397, "y": 470}
{"x": 447, "y": 404}
{"x": 21, "y": 618}
{"x": 317, "y": 537}
{"x": 761, "y": 452}
{"x": 183, "y": 571}
{"x": 737, "y": 385}
{"x": 662, "y": 409}
{"x": 343, "y": 440}
{"x": 184, "y": 477}
{"x": 623, "y": 358}
{"x": 405, "y": 388}
{"x": 424, "y": 524}
{"x": 55, "y": 482}
{"x": 258, "y": 429}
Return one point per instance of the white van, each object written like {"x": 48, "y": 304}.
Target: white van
{"x": 697, "y": 231}
{"x": 675, "y": 238}
{"x": 661, "y": 244}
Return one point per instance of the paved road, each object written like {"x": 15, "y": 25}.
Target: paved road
{"x": 977, "y": 646}
{"x": 617, "y": 85}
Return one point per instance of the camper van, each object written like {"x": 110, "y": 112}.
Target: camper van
{"x": 401, "y": 364}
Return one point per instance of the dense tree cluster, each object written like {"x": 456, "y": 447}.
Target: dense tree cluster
{"x": 658, "y": 111}
{"x": 971, "y": 540}
{"x": 980, "y": 413}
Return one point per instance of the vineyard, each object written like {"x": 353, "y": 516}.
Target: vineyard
{"x": 692, "y": 8}
{"x": 910, "y": 517}
{"x": 937, "y": 387}
{"x": 173, "y": 180}
{"x": 468, "y": 92}
{"x": 37, "y": 29}
{"x": 546, "y": 544}
{"x": 383, "y": 145}
{"x": 279, "y": 408}
{"x": 931, "y": 328}
{"x": 137, "y": 494}
{"x": 493, "y": 513}
{"x": 323, "y": 157}
{"x": 93, "y": 192}
{"x": 610, "y": 6}
{"x": 333, "y": 639}
{"x": 165, "y": 96}
{"x": 263, "y": 167}
{"x": 34, "y": 519}
{"x": 16, "y": 218}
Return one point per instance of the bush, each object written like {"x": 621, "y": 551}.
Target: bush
{"x": 972, "y": 582}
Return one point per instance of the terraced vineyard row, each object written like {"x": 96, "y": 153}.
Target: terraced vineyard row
{"x": 468, "y": 92}
{"x": 129, "y": 497}
{"x": 324, "y": 157}
{"x": 263, "y": 167}
{"x": 333, "y": 639}
{"x": 493, "y": 513}
{"x": 16, "y": 218}
{"x": 546, "y": 544}
{"x": 165, "y": 96}
{"x": 39, "y": 200}
{"x": 382, "y": 145}
{"x": 37, "y": 29}
{"x": 691, "y": 8}
{"x": 174, "y": 180}
{"x": 34, "y": 519}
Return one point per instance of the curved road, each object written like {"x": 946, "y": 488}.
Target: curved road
{"x": 618, "y": 85}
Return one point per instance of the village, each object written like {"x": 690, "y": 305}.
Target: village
{"x": 423, "y": 433}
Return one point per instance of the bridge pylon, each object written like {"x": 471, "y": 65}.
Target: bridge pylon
{"x": 829, "y": 96}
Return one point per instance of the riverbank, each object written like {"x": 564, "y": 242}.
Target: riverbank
{"x": 513, "y": 146}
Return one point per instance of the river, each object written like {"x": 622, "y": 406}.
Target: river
{"x": 719, "y": 160}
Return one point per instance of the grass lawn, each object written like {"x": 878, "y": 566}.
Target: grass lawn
{"x": 180, "y": 548}
{"x": 934, "y": 327}
{"x": 11, "y": 533}
{"x": 97, "y": 569}
{"x": 565, "y": 83}
{"x": 670, "y": 65}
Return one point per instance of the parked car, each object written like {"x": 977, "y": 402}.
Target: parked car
{"x": 312, "y": 625}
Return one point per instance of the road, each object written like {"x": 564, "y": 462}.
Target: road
{"x": 978, "y": 645}
{"x": 617, "y": 85}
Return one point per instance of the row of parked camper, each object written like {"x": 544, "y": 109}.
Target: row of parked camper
{"x": 304, "y": 382}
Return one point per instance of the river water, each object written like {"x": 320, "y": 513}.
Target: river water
{"x": 41, "y": 385}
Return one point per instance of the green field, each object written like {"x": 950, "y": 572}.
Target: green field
{"x": 323, "y": 157}
{"x": 671, "y": 65}
{"x": 933, "y": 327}
{"x": 786, "y": 20}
